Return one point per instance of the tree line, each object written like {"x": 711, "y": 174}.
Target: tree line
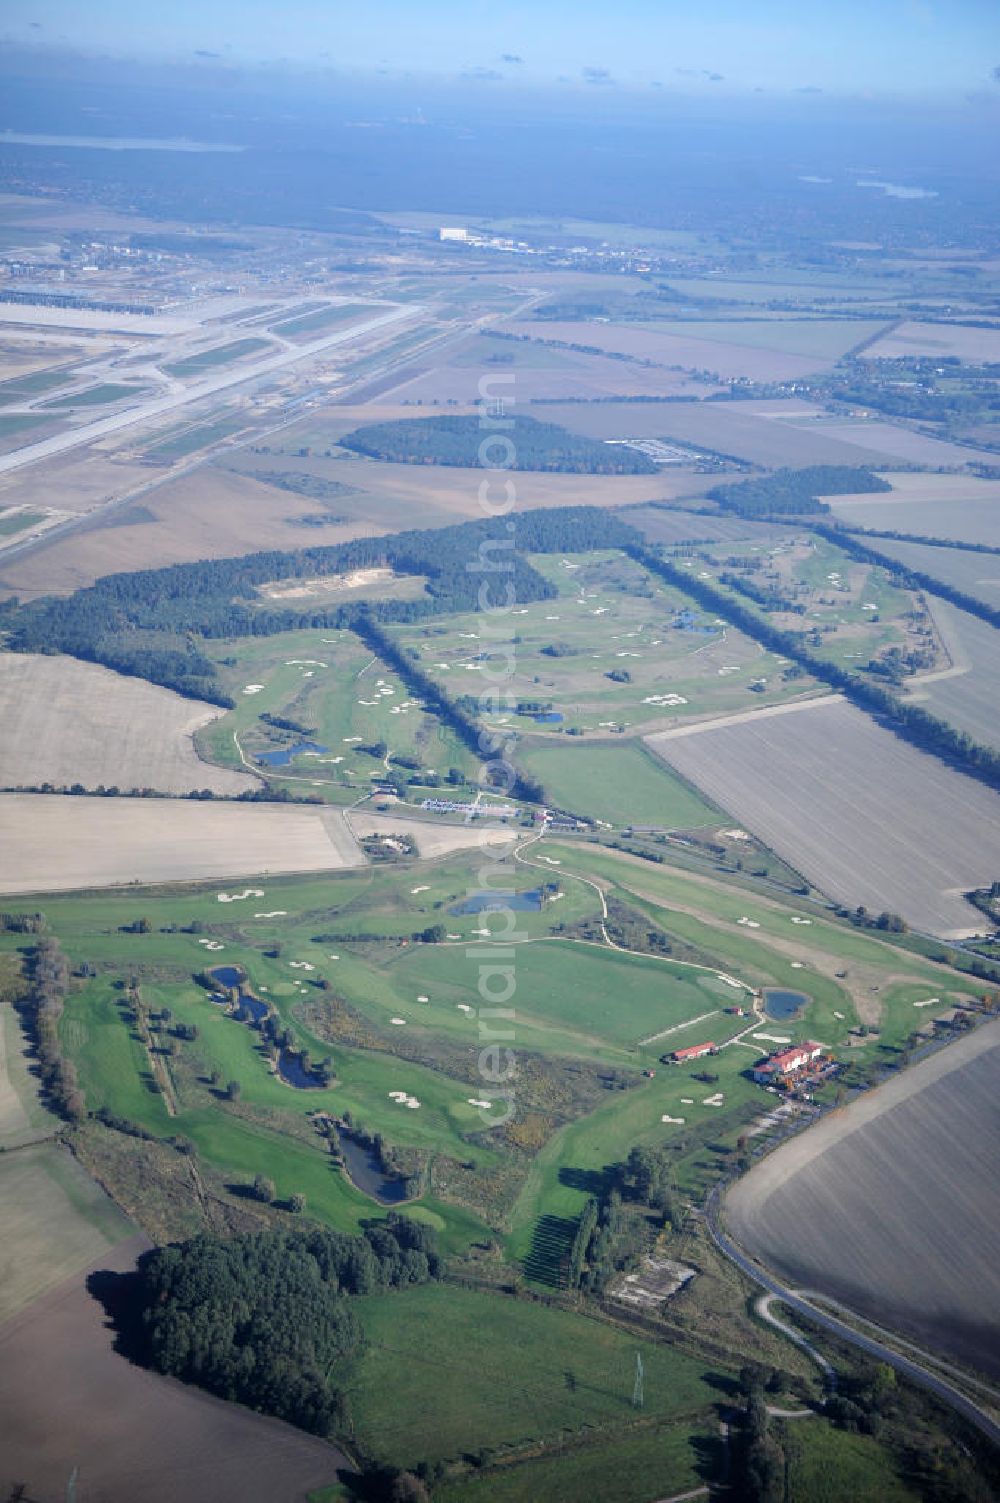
{"x": 907, "y": 577}
{"x": 41, "y": 1010}
{"x": 795, "y": 492}
{"x": 265, "y": 1319}
{"x": 150, "y": 623}
{"x": 909, "y": 721}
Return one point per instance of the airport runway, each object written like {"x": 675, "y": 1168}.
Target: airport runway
{"x": 76, "y": 438}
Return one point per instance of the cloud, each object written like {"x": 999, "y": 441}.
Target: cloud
{"x": 597, "y": 76}
{"x": 511, "y": 57}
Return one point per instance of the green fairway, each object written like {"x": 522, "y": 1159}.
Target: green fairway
{"x": 449, "y": 1371}
{"x": 617, "y": 781}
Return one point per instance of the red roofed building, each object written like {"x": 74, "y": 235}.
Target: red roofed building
{"x": 786, "y": 1061}
{"x": 693, "y": 1051}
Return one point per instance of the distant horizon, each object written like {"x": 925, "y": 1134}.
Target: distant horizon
{"x": 892, "y": 49}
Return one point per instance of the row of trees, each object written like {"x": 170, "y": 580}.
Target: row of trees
{"x": 907, "y": 578}
{"x": 909, "y": 721}
{"x": 265, "y": 1319}
{"x": 49, "y": 979}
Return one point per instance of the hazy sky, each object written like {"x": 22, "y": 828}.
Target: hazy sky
{"x": 899, "y": 46}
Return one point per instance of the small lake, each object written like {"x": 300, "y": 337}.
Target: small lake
{"x": 365, "y": 1171}
{"x": 291, "y": 1071}
{"x": 495, "y": 902}
{"x": 286, "y": 754}
{"x": 781, "y": 1005}
{"x": 547, "y": 717}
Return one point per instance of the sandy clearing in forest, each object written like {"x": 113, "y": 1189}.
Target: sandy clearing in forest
{"x": 63, "y": 721}
{"x": 54, "y": 843}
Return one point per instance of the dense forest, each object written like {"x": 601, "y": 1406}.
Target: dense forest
{"x": 148, "y": 623}
{"x": 519, "y": 444}
{"x": 263, "y": 1319}
{"x": 795, "y": 492}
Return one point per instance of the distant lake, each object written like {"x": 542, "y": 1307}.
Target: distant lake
{"x": 112, "y": 143}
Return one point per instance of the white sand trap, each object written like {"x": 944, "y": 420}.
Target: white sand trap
{"x": 839, "y": 1015}
{"x": 398, "y": 1095}
{"x": 801, "y": 920}
{"x": 796, "y": 965}
{"x": 349, "y": 740}
{"x": 463, "y": 1006}
{"x": 667, "y": 1118}
{"x": 412, "y": 1103}
{"x": 237, "y": 897}
{"x": 333, "y": 957}
{"x": 422, "y": 998}
{"x": 252, "y": 688}
{"x": 474, "y": 1101}
{"x": 398, "y": 1022}
{"x": 301, "y": 965}
{"x": 211, "y": 944}
{"x": 929, "y": 1002}
{"x": 368, "y": 702}
{"x": 304, "y": 663}
{"x": 772, "y": 1038}
{"x": 273, "y": 913}
{"x": 730, "y": 981}
{"x": 687, "y": 1101}
{"x": 423, "y": 888}
{"x": 715, "y": 1100}
{"x": 748, "y": 923}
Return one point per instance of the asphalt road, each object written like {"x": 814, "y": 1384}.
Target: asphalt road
{"x": 904, "y": 1365}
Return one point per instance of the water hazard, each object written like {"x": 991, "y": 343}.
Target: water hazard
{"x": 782, "y": 1006}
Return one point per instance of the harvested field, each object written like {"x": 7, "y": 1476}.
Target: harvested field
{"x": 657, "y": 342}
{"x": 961, "y": 507}
{"x": 63, "y": 721}
{"x": 208, "y": 513}
{"x": 56, "y": 1221}
{"x": 899, "y": 443}
{"x": 912, "y": 338}
{"x": 968, "y": 694}
{"x": 56, "y": 844}
{"x": 864, "y": 816}
{"x": 976, "y": 574}
{"x": 815, "y": 338}
{"x": 769, "y": 433}
{"x": 659, "y": 525}
{"x": 68, "y": 1400}
{"x": 874, "y": 1207}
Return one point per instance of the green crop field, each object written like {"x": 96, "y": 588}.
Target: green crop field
{"x": 18, "y": 521}
{"x": 94, "y": 396}
{"x": 449, "y": 1371}
{"x": 222, "y": 354}
{"x": 322, "y": 318}
{"x": 647, "y": 1464}
{"x": 619, "y": 782}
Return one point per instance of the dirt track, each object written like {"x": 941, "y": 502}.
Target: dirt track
{"x": 67, "y": 1400}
